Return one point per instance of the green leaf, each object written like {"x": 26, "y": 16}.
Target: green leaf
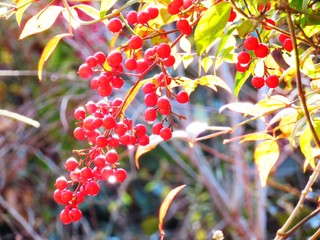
{"x": 105, "y": 7}
{"x": 47, "y": 51}
{"x": 211, "y": 25}
{"x": 206, "y": 63}
{"x": 256, "y": 136}
{"x": 246, "y": 27}
{"x": 241, "y": 78}
{"x": 266, "y": 155}
{"x": 42, "y": 21}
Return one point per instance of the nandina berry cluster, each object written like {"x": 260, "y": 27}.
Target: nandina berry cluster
{"x": 104, "y": 124}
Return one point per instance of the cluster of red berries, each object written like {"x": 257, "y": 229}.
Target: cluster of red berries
{"x": 103, "y": 124}
{"x": 271, "y": 81}
{"x": 286, "y": 42}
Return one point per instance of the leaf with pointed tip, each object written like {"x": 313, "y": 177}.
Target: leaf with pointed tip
{"x": 211, "y": 25}
{"x": 42, "y": 21}
{"x": 256, "y": 136}
{"x": 165, "y": 206}
{"x": 213, "y": 81}
{"x": 22, "y": 5}
{"x": 105, "y": 6}
{"x": 47, "y": 51}
{"x": 89, "y": 10}
{"x": 266, "y": 155}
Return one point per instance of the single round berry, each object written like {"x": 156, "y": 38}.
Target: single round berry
{"x": 163, "y": 102}
{"x": 86, "y": 173}
{"x": 272, "y": 81}
{"x": 261, "y": 51}
{"x": 283, "y": 37}
{"x": 79, "y": 113}
{"x": 120, "y": 175}
{"x": 100, "y": 161}
{"x": 165, "y": 133}
{"x": 251, "y": 43}
{"x": 71, "y": 164}
{"x": 120, "y": 128}
{"x": 109, "y": 122}
{"x": 132, "y": 17}
{"x": 114, "y": 58}
{"x": 143, "y": 140}
{"x": 91, "y": 61}
{"x": 130, "y": 64}
{"x": 75, "y": 214}
{"x": 135, "y": 42}
{"x": 169, "y": 62}
{"x": 244, "y": 58}
{"x": 151, "y": 99}
{"x": 57, "y": 196}
{"x": 101, "y": 57}
{"x": 240, "y": 68}
{"x": 115, "y": 25}
{"x": 61, "y": 183}
{"x": 163, "y": 50}
{"x": 101, "y": 141}
{"x": 173, "y": 9}
{"x": 112, "y": 156}
{"x": 79, "y": 133}
{"x": 150, "y": 114}
{"x": 140, "y": 130}
{"x": 91, "y": 107}
{"x": 143, "y": 17}
{"x": 257, "y": 82}
{"x": 85, "y": 71}
{"x": 287, "y": 45}
{"x": 156, "y": 128}
{"x": 66, "y": 196}
{"x": 142, "y": 66}
{"x": 233, "y": 16}
{"x": 153, "y": 12}
{"x": 182, "y": 97}
{"x": 64, "y": 216}
{"x": 184, "y": 26}
{"x": 149, "y": 87}
{"x": 117, "y": 82}
{"x": 92, "y": 188}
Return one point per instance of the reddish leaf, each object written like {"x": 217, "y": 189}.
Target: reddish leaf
{"x": 165, "y": 206}
{"x": 42, "y": 21}
{"x": 47, "y": 51}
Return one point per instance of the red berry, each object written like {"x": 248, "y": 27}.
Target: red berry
{"x": 113, "y": 142}
{"x": 182, "y": 97}
{"x": 71, "y": 164}
{"x": 100, "y": 161}
{"x": 142, "y": 66}
{"x": 240, "y": 68}
{"x": 233, "y": 16}
{"x": 169, "y": 62}
{"x": 120, "y": 129}
{"x": 61, "y": 183}
{"x": 156, "y": 128}
{"x": 272, "y": 81}
{"x": 143, "y": 140}
{"x": 149, "y": 55}
{"x": 101, "y": 57}
{"x": 132, "y": 17}
{"x": 64, "y": 216}
{"x": 112, "y": 157}
{"x": 173, "y": 9}
{"x": 270, "y": 22}
{"x": 117, "y": 82}
{"x": 283, "y": 37}
{"x": 91, "y": 61}
{"x": 187, "y": 3}
{"x": 57, "y": 196}
{"x": 153, "y": 12}
{"x": 151, "y": 99}
{"x": 66, "y": 196}
{"x": 91, "y": 107}
{"x": 261, "y": 51}
{"x": 165, "y": 133}
{"x": 178, "y": 3}
{"x": 287, "y": 45}
{"x": 140, "y": 130}
{"x": 135, "y": 42}
{"x": 75, "y": 214}
{"x": 124, "y": 139}
{"x": 114, "y": 25}
{"x": 109, "y": 122}
{"x": 131, "y": 64}
{"x": 79, "y": 133}
{"x": 85, "y": 71}
{"x": 114, "y": 58}
{"x": 92, "y": 188}
{"x": 79, "y": 113}
{"x": 120, "y": 174}
{"x": 251, "y": 43}
{"x": 244, "y": 58}
{"x": 257, "y": 82}
{"x": 163, "y": 50}
{"x": 86, "y": 173}
{"x": 149, "y": 87}
{"x": 150, "y": 114}
{"x": 79, "y": 197}
{"x": 143, "y": 17}
{"x": 94, "y": 84}
{"x": 163, "y": 102}
{"x": 264, "y": 7}
{"x": 184, "y": 26}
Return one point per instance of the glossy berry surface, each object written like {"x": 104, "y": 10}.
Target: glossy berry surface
{"x": 258, "y": 82}
{"x": 272, "y": 81}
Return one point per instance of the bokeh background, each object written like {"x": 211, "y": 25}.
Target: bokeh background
{"x": 223, "y": 190}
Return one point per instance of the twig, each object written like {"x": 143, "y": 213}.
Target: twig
{"x": 20, "y": 118}
{"x": 27, "y": 227}
{"x": 315, "y": 235}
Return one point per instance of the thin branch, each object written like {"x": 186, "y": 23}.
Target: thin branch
{"x": 316, "y": 235}
{"x": 19, "y": 118}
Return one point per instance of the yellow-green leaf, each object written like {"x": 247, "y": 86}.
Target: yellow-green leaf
{"x": 187, "y": 60}
{"x": 21, "y": 6}
{"x": 213, "y": 81}
{"x": 165, "y": 206}
{"x": 47, "y": 51}
{"x": 206, "y": 63}
{"x": 41, "y": 21}
{"x": 105, "y": 6}
{"x": 266, "y": 155}
{"x": 89, "y": 10}
{"x": 256, "y": 136}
